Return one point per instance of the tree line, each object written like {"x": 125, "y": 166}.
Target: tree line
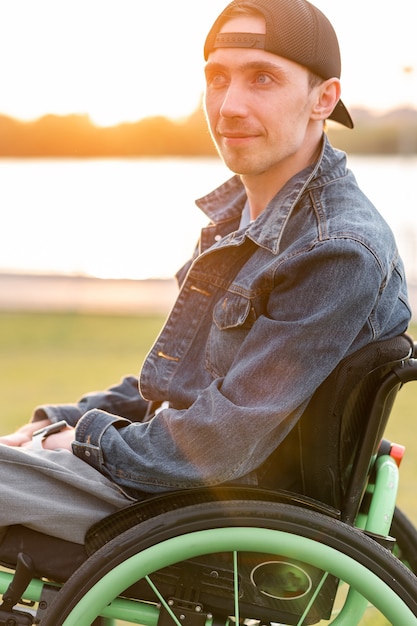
{"x": 76, "y": 136}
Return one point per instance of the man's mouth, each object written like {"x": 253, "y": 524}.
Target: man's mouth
{"x": 236, "y": 137}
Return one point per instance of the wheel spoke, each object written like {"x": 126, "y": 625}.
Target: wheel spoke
{"x": 162, "y": 600}
{"x": 236, "y": 586}
{"x": 313, "y": 598}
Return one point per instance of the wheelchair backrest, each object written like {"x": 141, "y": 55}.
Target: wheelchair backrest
{"x": 342, "y": 426}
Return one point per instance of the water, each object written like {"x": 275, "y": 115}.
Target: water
{"x": 137, "y": 219}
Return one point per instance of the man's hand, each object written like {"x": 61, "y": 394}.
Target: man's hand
{"x": 62, "y": 440}
{"x": 23, "y": 435}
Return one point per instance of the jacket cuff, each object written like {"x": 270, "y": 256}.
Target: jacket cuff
{"x": 89, "y": 433}
{"x": 68, "y": 412}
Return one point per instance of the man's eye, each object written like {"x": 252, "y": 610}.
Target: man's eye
{"x": 263, "y": 79}
{"x": 216, "y": 80}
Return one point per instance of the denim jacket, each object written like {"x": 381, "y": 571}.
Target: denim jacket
{"x": 263, "y": 315}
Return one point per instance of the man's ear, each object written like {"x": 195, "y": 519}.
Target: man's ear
{"x": 328, "y": 95}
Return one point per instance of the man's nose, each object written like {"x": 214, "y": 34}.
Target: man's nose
{"x": 234, "y": 102}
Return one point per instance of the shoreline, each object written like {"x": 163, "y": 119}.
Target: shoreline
{"x": 43, "y": 293}
{"x": 87, "y": 294}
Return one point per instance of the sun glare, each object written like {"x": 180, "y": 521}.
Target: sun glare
{"x": 122, "y": 61}
{"x": 108, "y": 60}
{"x": 107, "y": 114}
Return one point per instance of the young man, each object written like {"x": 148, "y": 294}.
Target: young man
{"x": 295, "y": 271}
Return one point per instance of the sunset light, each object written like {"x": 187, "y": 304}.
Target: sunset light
{"x": 87, "y": 181}
{"x": 115, "y": 61}
{"x": 122, "y": 60}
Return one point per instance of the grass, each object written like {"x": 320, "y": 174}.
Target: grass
{"x": 56, "y": 358}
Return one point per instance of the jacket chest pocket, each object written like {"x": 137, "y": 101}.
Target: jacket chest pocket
{"x": 233, "y": 317}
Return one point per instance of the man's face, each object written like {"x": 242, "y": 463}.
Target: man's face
{"x": 257, "y": 104}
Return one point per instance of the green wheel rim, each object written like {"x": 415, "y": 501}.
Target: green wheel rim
{"x": 244, "y": 539}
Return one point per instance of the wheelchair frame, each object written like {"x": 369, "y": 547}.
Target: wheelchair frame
{"x": 205, "y": 557}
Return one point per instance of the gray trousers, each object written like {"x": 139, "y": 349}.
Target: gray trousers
{"x": 54, "y": 492}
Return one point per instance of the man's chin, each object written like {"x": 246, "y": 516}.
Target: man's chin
{"x": 238, "y": 164}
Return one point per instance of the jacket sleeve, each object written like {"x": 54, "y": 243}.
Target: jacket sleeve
{"x": 122, "y": 399}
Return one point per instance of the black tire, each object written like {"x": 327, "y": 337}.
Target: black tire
{"x": 405, "y": 534}
{"x": 261, "y": 528}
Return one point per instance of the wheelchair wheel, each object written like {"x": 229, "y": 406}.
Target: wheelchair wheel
{"x": 255, "y": 560}
{"x": 405, "y": 534}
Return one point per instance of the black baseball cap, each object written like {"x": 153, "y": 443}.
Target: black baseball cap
{"x": 295, "y": 30}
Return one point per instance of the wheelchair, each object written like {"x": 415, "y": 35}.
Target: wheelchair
{"x": 336, "y": 551}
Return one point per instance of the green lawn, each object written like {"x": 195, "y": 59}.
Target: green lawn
{"x": 55, "y": 358}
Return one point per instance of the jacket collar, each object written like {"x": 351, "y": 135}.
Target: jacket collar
{"x": 225, "y": 204}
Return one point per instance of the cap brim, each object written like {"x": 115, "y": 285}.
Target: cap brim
{"x": 341, "y": 114}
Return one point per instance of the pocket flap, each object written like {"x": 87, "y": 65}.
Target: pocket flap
{"x": 232, "y": 311}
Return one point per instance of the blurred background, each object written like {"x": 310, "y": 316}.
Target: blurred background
{"x": 103, "y": 143}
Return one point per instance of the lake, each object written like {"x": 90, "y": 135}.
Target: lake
{"x": 136, "y": 218}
